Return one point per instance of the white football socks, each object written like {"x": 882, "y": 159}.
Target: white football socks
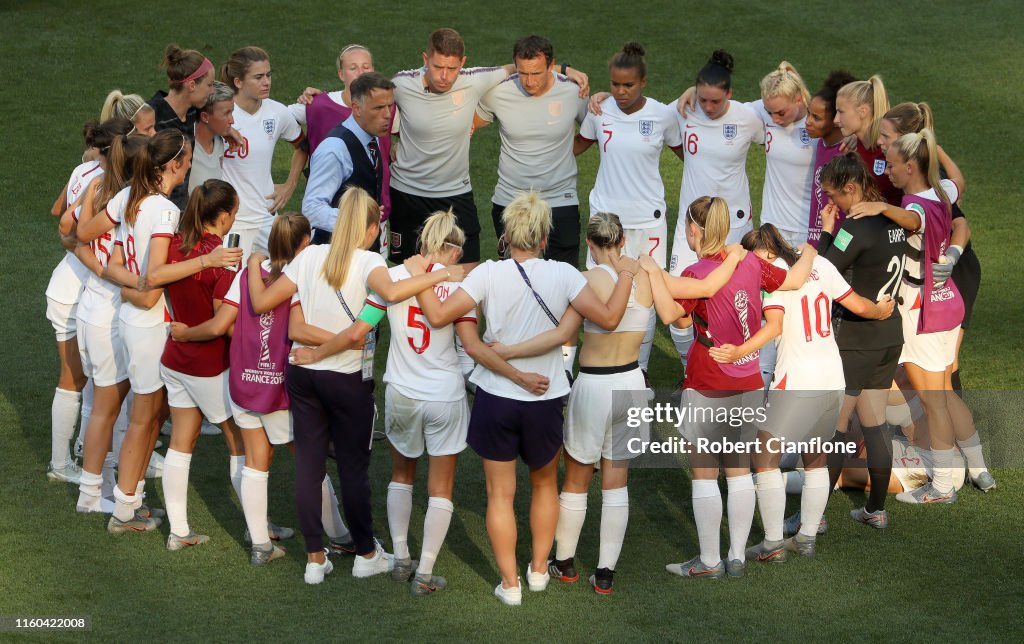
{"x": 813, "y": 500}
{"x": 330, "y": 518}
{"x": 771, "y": 500}
{"x": 435, "y": 529}
{"x": 89, "y": 493}
{"x": 175, "y": 482}
{"x": 399, "y": 514}
{"x": 235, "y": 466}
{"x": 572, "y": 514}
{"x": 942, "y": 470}
{"x": 972, "y": 452}
{"x": 741, "y": 514}
{"x": 707, "y": 514}
{"x": 254, "y": 504}
{"x": 63, "y": 416}
{"x": 614, "y": 517}
{"x": 682, "y": 339}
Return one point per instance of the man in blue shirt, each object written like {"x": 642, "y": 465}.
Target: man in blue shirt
{"x": 350, "y": 155}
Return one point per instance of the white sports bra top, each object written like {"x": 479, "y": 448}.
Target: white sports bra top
{"x": 636, "y": 317}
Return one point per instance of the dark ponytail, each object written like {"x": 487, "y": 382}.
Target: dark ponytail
{"x": 150, "y": 160}
{"x": 286, "y": 236}
{"x": 768, "y": 238}
{"x": 204, "y": 206}
{"x": 631, "y": 56}
{"x": 849, "y": 168}
{"x": 717, "y": 72}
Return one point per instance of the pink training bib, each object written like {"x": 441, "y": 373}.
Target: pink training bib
{"x": 942, "y": 309}
{"x": 734, "y": 312}
{"x": 259, "y": 355}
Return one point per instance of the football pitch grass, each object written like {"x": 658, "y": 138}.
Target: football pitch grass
{"x": 946, "y": 573}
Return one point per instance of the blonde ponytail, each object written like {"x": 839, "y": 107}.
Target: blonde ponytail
{"x": 785, "y": 81}
{"x": 711, "y": 214}
{"x": 871, "y": 93}
{"x": 440, "y": 229}
{"x": 922, "y": 149}
{"x": 356, "y": 213}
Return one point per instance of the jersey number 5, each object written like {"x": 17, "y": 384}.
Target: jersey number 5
{"x": 415, "y": 321}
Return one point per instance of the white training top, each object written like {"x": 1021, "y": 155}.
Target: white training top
{"x": 514, "y": 315}
{"x": 157, "y": 217}
{"x": 248, "y": 169}
{"x": 789, "y": 172}
{"x": 320, "y": 303}
{"x": 69, "y": 276}
{"x": 207, "y": 166}
{"x": 636, "y": 316}
{"x": 101, "y": 298}
{"x": 422, "y": 363}
{"x": 433, "y": 152}
{"x": 628, "y": 180}
{"x": 715, "y": 164}
{"x": 808, "y": 356}
{"x": 536, "y": 139}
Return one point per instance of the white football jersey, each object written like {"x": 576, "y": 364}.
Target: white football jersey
{"x": 422, "y": 363}
{"x": 69, "y": 276}
{"x": 321, "y": 305}
{"x": 808, "y": 357}
{"x": 248, "y": 168}
{"x": 101, "y": 298}
{"x": 514, "y": 315}
{"x": 157, "y": 217}
{"x": 715, "y": 164}
{"x": 789, "y": 172}
{"x": 628, "y": 180}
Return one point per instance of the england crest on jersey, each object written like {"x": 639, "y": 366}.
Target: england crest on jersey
{"x": 805, "y": 138}
{"x": 879, "y": 167}
{"x": 729, "y": 131}
{"x": 268, "y": 126}
{"x": 646, "y": 128}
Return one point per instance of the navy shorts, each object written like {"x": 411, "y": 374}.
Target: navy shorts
{"x": 501, "y": 429}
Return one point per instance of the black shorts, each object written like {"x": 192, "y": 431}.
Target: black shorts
{"x": 967, "y": 277}
{"x": 564, "y": 240}
{"x": 408, "y": 212}
{"x": 869, "y": 368}
{"x": 501, "y": 429}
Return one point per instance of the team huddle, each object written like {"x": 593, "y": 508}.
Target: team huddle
{"x": 186, "y": 293}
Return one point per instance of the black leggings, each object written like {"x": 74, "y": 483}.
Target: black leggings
{"x": 328, "y": 406}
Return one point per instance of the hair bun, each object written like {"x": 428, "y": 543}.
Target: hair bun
{"x": 722, "y": 58}
{"x": 173, "y": 55}
{"x": 633, "y": 48}
{"x": 837, "y": 78}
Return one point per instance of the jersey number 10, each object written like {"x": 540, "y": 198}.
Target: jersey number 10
{"x": 822, "y": 316}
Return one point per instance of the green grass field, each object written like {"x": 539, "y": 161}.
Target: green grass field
{"x": 948, "y": 573}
